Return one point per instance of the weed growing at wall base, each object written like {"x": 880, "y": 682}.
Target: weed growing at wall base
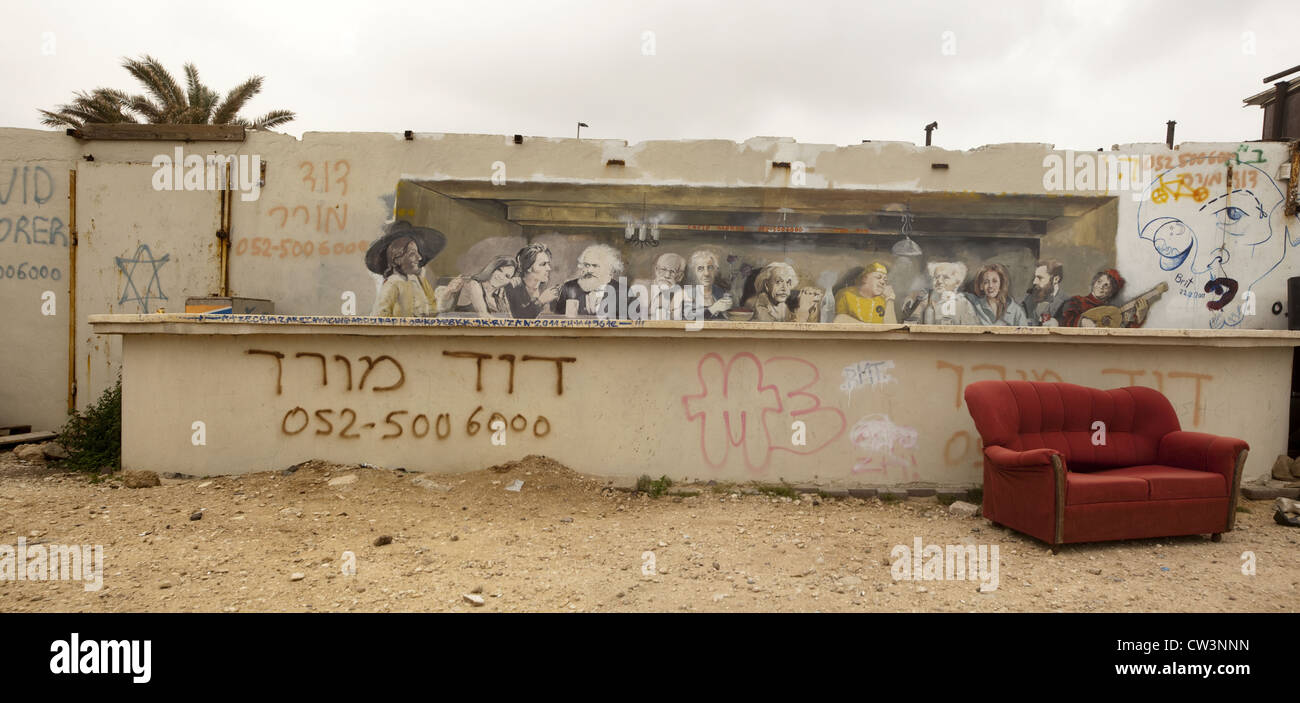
{"x": 93, "y": 438}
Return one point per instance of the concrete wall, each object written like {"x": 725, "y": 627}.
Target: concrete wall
{"x": 876, "y": 407}
{"x": 143, "y": 249}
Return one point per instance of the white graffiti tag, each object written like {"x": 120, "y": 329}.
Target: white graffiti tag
{"x": 890, "y": 446}
{"x": 875, "y": 373}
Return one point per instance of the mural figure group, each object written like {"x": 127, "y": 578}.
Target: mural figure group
{"x": 692, "y": 287}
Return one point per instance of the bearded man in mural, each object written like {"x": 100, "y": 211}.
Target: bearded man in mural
{"x": 1043, "y": 302}
{"x": 526, "y": 294}
{"x": 657, "y": 297}
{"x": 1095, "y": 309}
{"x": 399, "y": 255}
{"x": 992, "y": 298}
{"x": 597, "y": 290}
{"x": 870, "y": 300}
{"x": 773, "y": 287}
{"x": 705, "y": 298}
{"x": 942, "y": 304}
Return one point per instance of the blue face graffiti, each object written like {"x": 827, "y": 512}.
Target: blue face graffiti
{"x": 1223, "y": 245}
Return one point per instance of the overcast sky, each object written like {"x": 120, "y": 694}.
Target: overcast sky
{"x": 1082, "y": 74}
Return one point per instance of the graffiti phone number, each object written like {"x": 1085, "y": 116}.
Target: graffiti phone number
{"x": 264, "y": 246}
{"x": 343, "y": 423}
{"x": 29, "y": 272}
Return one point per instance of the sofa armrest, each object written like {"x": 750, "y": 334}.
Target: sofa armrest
{"x": 1199, "y": 451}
{"x": 1202, "y": 452}
{"x": 1027, "y": 490}
{"x": 1010, "y": 459}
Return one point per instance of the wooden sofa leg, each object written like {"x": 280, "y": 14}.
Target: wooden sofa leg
{"x": 1216, "y": 537}
{"x": 1056, "y": 549}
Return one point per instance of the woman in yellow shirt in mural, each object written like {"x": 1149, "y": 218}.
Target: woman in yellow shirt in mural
{"x": 870, "y": 299}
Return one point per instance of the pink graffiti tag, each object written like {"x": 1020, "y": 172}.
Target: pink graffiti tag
{"x": 739, "y": 405}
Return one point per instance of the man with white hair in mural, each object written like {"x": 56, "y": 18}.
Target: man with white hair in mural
{"x": 773, "y": 287}
{"x": 657, "y": 297}
{"x": 705, "y": 298}
{"x": 941, "y": 304}
{"x": 596, "y": 290}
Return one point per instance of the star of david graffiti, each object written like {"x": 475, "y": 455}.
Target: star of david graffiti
{"x": 153, "y": 289}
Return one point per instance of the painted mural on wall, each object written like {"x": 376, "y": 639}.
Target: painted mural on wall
{"x": 741, "y": 275}
{"x": 1214, "y": 227}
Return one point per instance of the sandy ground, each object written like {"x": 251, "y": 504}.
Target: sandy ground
{"x": 569, "y": 543}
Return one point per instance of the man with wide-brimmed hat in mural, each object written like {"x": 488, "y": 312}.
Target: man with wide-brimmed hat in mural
{"x": 399, "y": 255}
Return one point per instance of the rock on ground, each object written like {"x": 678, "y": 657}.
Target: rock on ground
{"x": 140, "y": 479}
{"x": 963, "y": 509}
{"x": 30, "y": 452}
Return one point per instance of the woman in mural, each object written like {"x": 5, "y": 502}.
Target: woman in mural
{"x": 525, "y": 294}
{"x": 942, "y": 304}
{"x": 399, "y": 255}
{"x": 992, "y": 298}
{"x": 705, "y": 298}
{"x": 869, "y": 299}
{"x": 484, "y": 293}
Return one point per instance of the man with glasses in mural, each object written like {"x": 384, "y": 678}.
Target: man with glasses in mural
{"x": 659, "y": 295}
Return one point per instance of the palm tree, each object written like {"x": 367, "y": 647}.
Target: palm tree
{"x": 165, "y": 102}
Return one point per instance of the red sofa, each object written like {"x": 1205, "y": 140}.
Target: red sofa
{"x": 1043, "y": 475}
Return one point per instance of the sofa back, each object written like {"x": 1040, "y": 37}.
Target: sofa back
{"x": 1024, "y": 415}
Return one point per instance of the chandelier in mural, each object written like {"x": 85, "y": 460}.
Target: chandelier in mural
{"x": 643, "y": 232}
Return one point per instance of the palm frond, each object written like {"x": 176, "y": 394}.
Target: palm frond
{"x": 194, "y": 88}
{"x": 164, "y": 102}
{"x": 157, "y": 82}
{"x": 274, "y": 118}
{"x": 235, "y": 100}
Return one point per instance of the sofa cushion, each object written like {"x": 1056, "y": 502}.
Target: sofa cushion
{"x": 1170, "y": 483}
{"x": 1024, "y": 415}
{"x": 1103, "y": 487}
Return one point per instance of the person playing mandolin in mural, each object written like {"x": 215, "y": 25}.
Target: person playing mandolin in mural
{"x": 1095, "y": 310}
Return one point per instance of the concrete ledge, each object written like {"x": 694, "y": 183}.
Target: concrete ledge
{"x": 175, "y": 323}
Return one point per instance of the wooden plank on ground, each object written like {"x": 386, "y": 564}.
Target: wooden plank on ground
{"x": 163, "y": 132}
{"x": 27, "y": 438}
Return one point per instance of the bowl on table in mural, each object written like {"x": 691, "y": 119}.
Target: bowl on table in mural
{"x": 740, "y": 315}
